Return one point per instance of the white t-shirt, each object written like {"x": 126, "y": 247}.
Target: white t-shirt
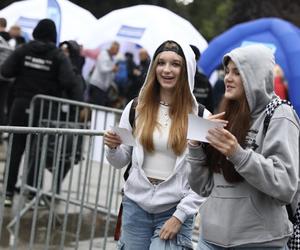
{"x": 160, "y": 164}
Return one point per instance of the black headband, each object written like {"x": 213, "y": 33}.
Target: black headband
{"x": 162, "y": 48}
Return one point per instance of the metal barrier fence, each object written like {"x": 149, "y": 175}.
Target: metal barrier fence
{"x": 68, "y": 194}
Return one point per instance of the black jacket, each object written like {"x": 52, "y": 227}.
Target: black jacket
{"x": 41, "y": 68}
{"x": 203, "y": 91}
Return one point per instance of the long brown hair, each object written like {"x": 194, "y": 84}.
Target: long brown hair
{"x": 237, "y": 113}
{"x": 148, "y": 105}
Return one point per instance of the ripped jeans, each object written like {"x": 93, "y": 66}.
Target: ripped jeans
{"x": 140, "y": 230}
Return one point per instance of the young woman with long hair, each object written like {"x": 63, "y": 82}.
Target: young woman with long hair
{"x": 248, "y": 173}
{"x": 158, "y": 205}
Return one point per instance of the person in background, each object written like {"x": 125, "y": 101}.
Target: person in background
{"x": 16, "y": 38}
{"x": 39, "y": 67}
{"x": 202, "y": 89}
{"x": 143, "y": 66}
{"x": 3, "y": 33}
{"x": 248, "y": 174}
{"x": 5, "y": 51}
{"x": 103, "y": 75}
{"x": 72, "y": 50}
{"x": 158, "y": 204}
{"x": 280, "y": 85}
{"x": 139, "y": 74}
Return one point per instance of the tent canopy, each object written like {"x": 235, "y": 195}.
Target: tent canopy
{"x": 71, "y": 20}
{"x": 279, "y": 35}
{"x": 145, "y": 25}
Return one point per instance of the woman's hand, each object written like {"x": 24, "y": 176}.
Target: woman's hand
{"x": 170, "y": 228}
{"x": 218, "y": 118}
{"x": 222, "y": 140}
{"x": 112, "y": 140}
{"x": 215, "y": 118}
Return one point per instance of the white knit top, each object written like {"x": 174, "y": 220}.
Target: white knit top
{"x": 161, "y": 163}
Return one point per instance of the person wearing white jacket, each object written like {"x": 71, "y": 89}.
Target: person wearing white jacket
{"x": 159, "y": 205}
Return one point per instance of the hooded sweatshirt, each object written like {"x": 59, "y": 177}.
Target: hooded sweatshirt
{"x": 41, "y": 68}
{"x": 252, "y": 212}
{"x": 175, "y": 190}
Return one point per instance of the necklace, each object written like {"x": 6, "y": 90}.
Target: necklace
{"x": 164, "y": 103}
{"x": 164, "y": 118}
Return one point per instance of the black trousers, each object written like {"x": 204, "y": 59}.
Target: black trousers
{"x": 4, "y": 89}
{"x": 97, "y": 96}
{"x": 18, "y": 117}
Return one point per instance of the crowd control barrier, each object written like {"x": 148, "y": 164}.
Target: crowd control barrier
{"x": 67, "y": 195}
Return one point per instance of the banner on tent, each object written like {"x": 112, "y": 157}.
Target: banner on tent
{"x": 27, "y": 25}
{"x": 131, "y": 32}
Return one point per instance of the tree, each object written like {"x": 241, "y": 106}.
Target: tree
{"x": 245, "y": 10}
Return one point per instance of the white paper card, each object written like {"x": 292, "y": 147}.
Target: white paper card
{"x": 198, "y": 127}
{"x": 126, "y": 136}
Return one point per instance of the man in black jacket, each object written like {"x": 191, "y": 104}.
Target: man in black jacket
{"x": 39, "y": 67}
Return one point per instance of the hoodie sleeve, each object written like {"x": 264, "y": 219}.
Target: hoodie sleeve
{"x": 121, "y": 156}
{"x": 275, "y": 170}
{"x": 200, "y": 183}
{"x": 200, "y": 177}
{"x": 189, "y": 205}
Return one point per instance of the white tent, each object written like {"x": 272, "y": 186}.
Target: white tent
{"x": 145, "y": 25}
{"x": 74, "y": 20}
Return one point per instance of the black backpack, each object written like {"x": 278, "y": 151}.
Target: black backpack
{"x": 294, "y": 241}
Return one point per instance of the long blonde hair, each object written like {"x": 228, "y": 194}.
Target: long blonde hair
{"x": 148, "y": 105}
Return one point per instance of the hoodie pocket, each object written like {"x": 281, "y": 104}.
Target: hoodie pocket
{"x": 231, "y": 220}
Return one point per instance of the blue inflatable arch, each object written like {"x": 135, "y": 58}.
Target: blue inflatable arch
{"x": 281, "y": 36}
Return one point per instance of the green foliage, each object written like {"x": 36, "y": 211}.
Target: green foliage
{"x": 245, "y": 10}
{"x": 209, "y": 17}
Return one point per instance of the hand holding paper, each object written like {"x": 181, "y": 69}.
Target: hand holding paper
{"x": 125, "y": 135}
{"x": 198, "y": 127}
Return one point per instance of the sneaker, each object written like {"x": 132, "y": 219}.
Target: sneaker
{"x": 8, "y": 201}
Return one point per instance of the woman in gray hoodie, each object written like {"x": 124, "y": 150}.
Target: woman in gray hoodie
{"x": 248, "y": 174}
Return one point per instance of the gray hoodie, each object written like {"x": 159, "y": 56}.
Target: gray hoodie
{"x": 252, "y": 212}
{"x": 175, "y": 190}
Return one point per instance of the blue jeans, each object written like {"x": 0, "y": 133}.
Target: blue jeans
{"x": 140, "y": 230}
{"x": 204, "y": 245}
